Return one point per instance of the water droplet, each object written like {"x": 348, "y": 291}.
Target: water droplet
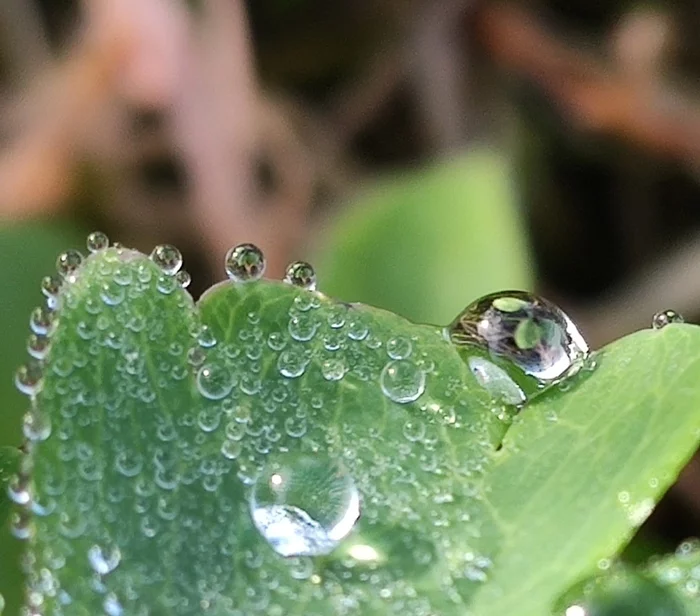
{"x": 398, "y": 348}
{"x": 301, "y": 274}
{"x": 51, "y": 285}
{"x": 303, "y": 326}
{"x": 293, "y": 362}
{"x": 205, "y": 337}
{"x": 38, "y": 346}
{"x": 166, "y": 284}
{"x": 104, "y": 561}
{"x": 402, "y": 381}
{"x": 36, "y": 426}
{"x": 666, "y": 317}
{"x": 245, "y": 262}
{"x": 183, "y": 278}
{"x": 97, "y": 241}
{"x": 68, "y": 263}
{"x": 41, "y": 320}
{"x": 533, "y": 340}
{"x": 28, "y": 378}
{"x": 414, "y": 430}
{"x": 167, "y": 258}
{"x": 18, "y": 490}
{"x": 2, "y": 604}
{"x": 111, "y": 605}
{"x": 215, "y": 381}
{"x": 304, "y": 505}
{"x": 333, "y": 369}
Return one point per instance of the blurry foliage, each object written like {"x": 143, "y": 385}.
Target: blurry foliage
{"x": 423, "y": 244}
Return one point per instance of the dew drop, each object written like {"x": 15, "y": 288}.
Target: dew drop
{"x": 301, "y": 274}
{"x": 51, "y": 285}
{"x": 293, "y": 362}
{"x": 183, "y": 278}
{"x": 18, "y": 491}
{"x": 532, "y": 339}
{"x": 167, "y": 258}
{"x": 333, "y": 369}
{"x": 666, "y": 317}
{"x": 104, "y": 561}
{"x": 68, "y": 263}
{"x": 398, "y": 348}
{"x": 41, "y": 320}
{"x": 97, "y": 241}
{"x": 244, "y": 263}
{"x": 214, "y": 381}
{"x": 38, "y": 346}
{"x": 304, "y": 505}
{"x": 111, "y": 605}
{"x": 28, "y": 378}
{"x": 2, "y": 604}
{"x": 36, "y": 426}
{"x": 205, "y": 337}
{"x": 402, "y": 381}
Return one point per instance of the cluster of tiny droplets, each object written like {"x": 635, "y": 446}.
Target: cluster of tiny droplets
{"x": 29, "y": 378}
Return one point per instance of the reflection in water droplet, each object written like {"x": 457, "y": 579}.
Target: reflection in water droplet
{"x": 167, "y": 258}
{"x": 304, "y": 505}
{"x": 301, "y": 274}
{"x": 532, "y": 339}
{"x": 402, "y": 381}
{"x": 97, "y": 241}
{"x": 245, "y": 262}
{"x": 496, "y": 381}
{"x": 666, "y": 317}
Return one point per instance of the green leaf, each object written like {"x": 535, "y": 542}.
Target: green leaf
{"x": 423, "y": 244}
{"x": 580, "y": 471}
{"x": 681, "y": 573}
{"x": 159, "y": 428}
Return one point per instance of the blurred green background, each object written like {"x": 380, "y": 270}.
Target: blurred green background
{"x": 420, "y": 154}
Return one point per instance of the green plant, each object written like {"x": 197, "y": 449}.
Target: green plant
{"x": 269, "y": 450}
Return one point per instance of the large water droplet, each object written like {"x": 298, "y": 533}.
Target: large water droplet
{"x": 51, "y": 285}
{"x": 301, "y": 274}
{"x": 245, "y": 262}
{"x": 68, "y": 263}
{"x": 402, "y": 381}
{"x": 304, "y": 505}
{"x": 97, "y": 241}
{"x": 666, "y": 317}
{"x": 215, "y": 381}
{"x": 532, "y": 339}
{"x": 621, "y": 592}
{"x": 167, "y": 258}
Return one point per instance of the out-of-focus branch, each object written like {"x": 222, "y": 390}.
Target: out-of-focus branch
{"x": 595, "y": 96}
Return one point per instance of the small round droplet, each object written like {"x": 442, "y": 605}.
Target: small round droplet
{"x": 666, "y": 317}
{"x": 214, "y": 381}
{"x": 51, "y": 285}
{"x": 167, "y": 258}
{"x": 29, "y": 378}
{"x": 301, "y": 274}
{"x": 36, "y": 426}
{"x": 244, "y": 263}
{"x": 398, "y": 348}
{"x": 68, "y": 263}
{"x": 97, "y": 241}
{"x": 38, "y": 346}
{"x": 41, "y": 320}
{"x": 183, "y": 278}
{"x": 533, "y": 340}
{"x": 402, "y": 381}
{"x": 104, "y": 561}
{"x": 304, "y": 505}
{"x": 18, "y": 491}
